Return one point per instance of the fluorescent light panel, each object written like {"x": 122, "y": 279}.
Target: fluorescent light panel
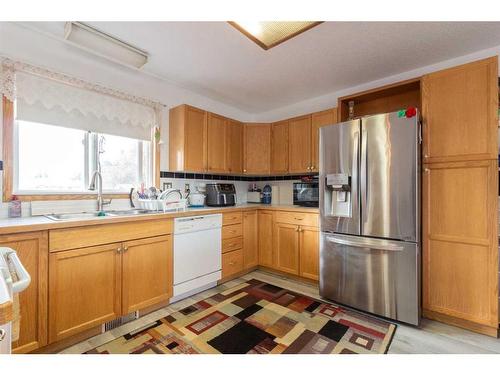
{"x": 268, "y": 34}
{"x": 104, "y": 45}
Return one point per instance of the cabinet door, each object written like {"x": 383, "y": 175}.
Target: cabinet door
{"x": 32, "y": 249}
{"x": 279, "y": 147}
{"x": 460, "y": 112}
{"x": 299, "y": 144}
{"x": 147, "y": 272}
{"x": 318, "y": 120}
{"x": 216, "y": 143}
{"x": 257, "y": 149}
{"x": 286, "y": 247}
{"x": 84, "y": 289}
{"x": 460, "y": 244}
{"x": 265, "y": 238}
{"x": 309, "y": 252}
{"x": 234, "y": 131}
{"x": 195, "y": 135}
{"x": 250, "y": 237}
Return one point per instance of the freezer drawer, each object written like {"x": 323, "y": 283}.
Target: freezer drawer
{"x": 377, "y": 276}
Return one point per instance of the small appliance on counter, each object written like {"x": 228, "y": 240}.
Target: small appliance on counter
{"x": 197, "y": 199}
{"x": 306, "y": 194}
{"x": 220, "y": 195}
{"x": 253, "y": 197}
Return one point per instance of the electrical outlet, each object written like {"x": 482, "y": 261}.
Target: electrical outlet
{"x": 167, "y": 185}
{"x": 186, "y": 188}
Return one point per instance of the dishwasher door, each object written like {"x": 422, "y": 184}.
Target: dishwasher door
{"x": 197, "y": 254}
{"x": 374, "y": 275}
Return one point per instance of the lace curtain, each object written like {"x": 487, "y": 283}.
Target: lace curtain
{"x": 52, "y": 98}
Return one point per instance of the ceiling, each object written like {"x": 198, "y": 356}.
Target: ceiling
{"x": 215, "y": 60}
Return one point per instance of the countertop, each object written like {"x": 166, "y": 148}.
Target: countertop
{"x": 35, "y": 223}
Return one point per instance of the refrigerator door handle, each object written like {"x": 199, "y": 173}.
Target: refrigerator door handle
{"x": 364, "y": 170}
{"x": 364, "y": 243}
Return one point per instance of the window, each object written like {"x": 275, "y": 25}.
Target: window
{"x": 54, "y": 159}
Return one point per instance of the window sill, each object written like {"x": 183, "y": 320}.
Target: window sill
{"x": 70, "y": 196}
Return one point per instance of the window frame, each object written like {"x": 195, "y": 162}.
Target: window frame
{"x": 9, "y": 159}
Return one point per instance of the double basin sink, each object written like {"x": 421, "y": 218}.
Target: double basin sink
{"x": 96, "y": 214}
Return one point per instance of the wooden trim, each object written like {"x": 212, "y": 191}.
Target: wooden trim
{"x": 457, "y": 322}
{"x": 379, "y": 89}
{"x": 7, "y": 151}
{"x": 267, "y": 47}
{"x": 156, "y": 159}
{"x": 6, "y": 312}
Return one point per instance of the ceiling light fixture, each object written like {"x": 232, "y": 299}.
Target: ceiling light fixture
{"x": 103, "y": 44}
{"x": 268, "y": 34}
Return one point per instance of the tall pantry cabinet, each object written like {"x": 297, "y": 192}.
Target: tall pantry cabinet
{"x": 459, "y": 193}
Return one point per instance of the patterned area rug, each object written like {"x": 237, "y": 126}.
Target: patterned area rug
{"x": 260, "y": 318}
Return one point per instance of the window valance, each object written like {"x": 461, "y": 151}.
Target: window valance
{"x": 53, "y": 98}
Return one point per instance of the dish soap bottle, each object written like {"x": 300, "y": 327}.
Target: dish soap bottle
{"x": 15, "y": 207}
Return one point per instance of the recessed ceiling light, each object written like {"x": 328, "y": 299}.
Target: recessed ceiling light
{"x": 268, "y": 34}
{"x": 103, "y": 44}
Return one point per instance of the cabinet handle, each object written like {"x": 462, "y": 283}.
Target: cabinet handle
{"x": 231, "y": 263}
{"x": 244, "y": 170}
{"x": 426, "y": 170}
{"x": 298, "y": 218}
{"x": 119, "y": 250}
{"x": 125, "y": 248}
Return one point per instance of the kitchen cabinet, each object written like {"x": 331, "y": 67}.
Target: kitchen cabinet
{"x": 216, "y": 143}
{"x": 279, "y": 147}
{"x": 147, "y": 271}
{"x": 92, "y": 285}
{"x": 84, "y": 289}
{"x": 299, "y": 144}
{"x": 286, "y": 248}
{"x": 257, "y": 148}
{"x": 309, "y": 252}
{"x": 460, "y": 113}
{"x": 232, "y": 263}
{"x": 188, "y": 139}
{"x": 265, "y": 238}
{"x": 232, "y": 244}
{"x": 234, "y": 147}
{"x": 460, "y": 245}
{"x": 32, "y": 249}
{"x": 250, "y": 239}
{"x": 319, "y": 119}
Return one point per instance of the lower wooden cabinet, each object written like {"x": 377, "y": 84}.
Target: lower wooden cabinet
{"x": 250, "y": 240}
{"x": 32, "y": 249}
{"x": 232, "y": 263}
{"x": 265, "y": 238}
{"x": 147, "y": 273}
{"x": 93, "y": 285}
{"x": 460, "y": 255}
{"x": 286, "y": 248}
{"x": 84, "y": 289}
{"x": 309, "y": 252}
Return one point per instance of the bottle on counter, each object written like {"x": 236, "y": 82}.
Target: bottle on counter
{"x": 266, "y": 194}
{"x": 15, "y": 207}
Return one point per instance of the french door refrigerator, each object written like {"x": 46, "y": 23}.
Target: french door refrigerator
{"x": 370, "y": 215}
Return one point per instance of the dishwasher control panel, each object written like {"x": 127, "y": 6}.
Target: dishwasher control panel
{"x": 197, "y": 223}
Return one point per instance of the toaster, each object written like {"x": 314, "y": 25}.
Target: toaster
{"x": 220, "y": 195}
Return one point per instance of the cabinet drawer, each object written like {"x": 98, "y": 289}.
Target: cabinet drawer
{"x": 232, "y": 263}
{"x": 231, "y": 231}
{"x": 232, "y": 218}
{"x": 298, "y": 218}
{"x": 230, "y": 244}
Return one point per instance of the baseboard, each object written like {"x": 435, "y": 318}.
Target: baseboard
{"x": 461, "y": 323}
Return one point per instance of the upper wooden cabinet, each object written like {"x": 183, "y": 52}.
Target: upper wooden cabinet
{"x": 32, "y": 249}
{"x": 257, "y": 148}
{"x": 279, "y": 147}
{"x": 216, "y": 143}
{"x": 187, "y": 139}
{"x": 460, "y": 112}
{"x": 234, "y": 146}
{"x": 318, "y": 120}
{"x": 299, "y": 145}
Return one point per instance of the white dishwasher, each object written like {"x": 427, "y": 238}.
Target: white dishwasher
{"x": 197, "y": 254}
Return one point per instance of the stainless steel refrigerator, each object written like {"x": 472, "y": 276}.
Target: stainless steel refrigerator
{"x": 370, "y": 215}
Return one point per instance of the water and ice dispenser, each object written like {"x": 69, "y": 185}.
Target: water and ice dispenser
{"x": 338, "y": 195}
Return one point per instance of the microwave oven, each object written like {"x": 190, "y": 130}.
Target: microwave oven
{"x": 306, "y": 194}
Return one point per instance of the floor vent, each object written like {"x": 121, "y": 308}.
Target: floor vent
{"x": 119, "y": 321}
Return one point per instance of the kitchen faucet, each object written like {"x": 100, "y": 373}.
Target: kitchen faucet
{"x": 97, "y": 180}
